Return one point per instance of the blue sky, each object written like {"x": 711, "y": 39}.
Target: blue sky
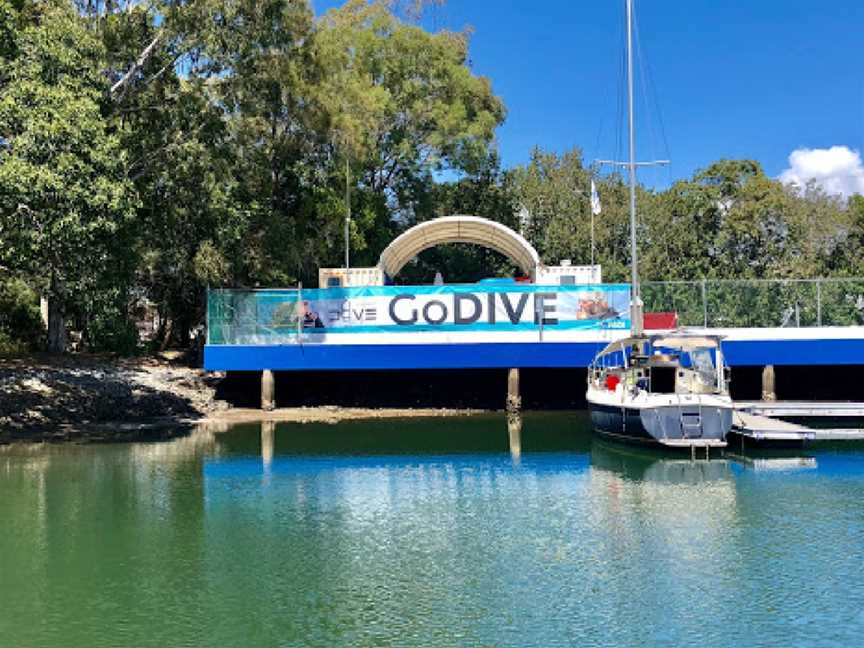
{"x": 737, "y": 78}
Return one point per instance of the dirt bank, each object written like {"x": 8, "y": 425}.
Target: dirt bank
{"x": 55, "y": 398}
{"x": 328, "y": 414}
{"x": 98, "y": 398}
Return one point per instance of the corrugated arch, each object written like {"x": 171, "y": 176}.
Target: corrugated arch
{"x": 459, "y": 229}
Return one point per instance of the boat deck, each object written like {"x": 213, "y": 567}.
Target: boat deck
{"x": 764, "y": 428}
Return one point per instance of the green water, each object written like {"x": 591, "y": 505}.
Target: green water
{"x": 436, "y": 532}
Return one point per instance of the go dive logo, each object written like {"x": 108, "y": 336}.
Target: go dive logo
{"x": 468, "y": 308}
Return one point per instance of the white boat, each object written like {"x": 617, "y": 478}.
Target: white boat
{"x": 669, "y": 390}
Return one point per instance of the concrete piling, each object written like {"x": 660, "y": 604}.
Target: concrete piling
{"x": 268, "y": 390}
{"x": 769, "y": 384}
{"x": 514, "y": 399}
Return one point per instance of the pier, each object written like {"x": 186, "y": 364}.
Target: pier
{"x": 765, "y": 429}
{"x": 549, "y": 317}
{"x": 803, "y": 409}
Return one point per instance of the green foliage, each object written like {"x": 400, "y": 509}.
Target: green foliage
{"x": 20, "y": 319}
{"x": 554, "y": 192}
{"x": 103, "y": 318}
{"x": 150, "y": 150}
{"x": 64, "y": 194}
{"x": 486, "y": 193}
{"x": 402, "y": 100}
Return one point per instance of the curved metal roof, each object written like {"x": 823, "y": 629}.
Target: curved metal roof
{"x": 458, "y": 229}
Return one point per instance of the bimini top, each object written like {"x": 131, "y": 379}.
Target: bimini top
{"x": 459, "y": 229}
{"x": 685, "y": 341}
{"x": 681, "y": 341}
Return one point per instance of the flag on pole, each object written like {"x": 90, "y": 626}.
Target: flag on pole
{"x": 595, "y": 199}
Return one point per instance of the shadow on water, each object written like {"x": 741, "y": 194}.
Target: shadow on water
{"x": 482, "y": 434}
{"x": 536, "y": 440}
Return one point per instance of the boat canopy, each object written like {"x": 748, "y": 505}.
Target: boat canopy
{"x": 619, "y": 346}
{"x": 680, "y": 341}
{"x": 686, "y": 342}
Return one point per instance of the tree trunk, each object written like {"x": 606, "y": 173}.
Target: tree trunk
{"x": 166, "y": 334}
{"x": 56, "y": 318}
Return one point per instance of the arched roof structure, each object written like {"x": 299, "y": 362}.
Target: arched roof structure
{"x": 459, "y": 229}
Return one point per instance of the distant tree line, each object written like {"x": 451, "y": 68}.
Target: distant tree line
{"x": 149, "y": 150}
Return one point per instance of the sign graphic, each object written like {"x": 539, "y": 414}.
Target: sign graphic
{"x": 280, "y": 316}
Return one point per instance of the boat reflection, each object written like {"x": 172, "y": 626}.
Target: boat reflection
{"x": 646, "y": 464}
{"x": 643, "y": 464}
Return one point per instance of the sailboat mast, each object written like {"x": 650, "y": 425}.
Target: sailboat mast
{"x": 636, "y": 316}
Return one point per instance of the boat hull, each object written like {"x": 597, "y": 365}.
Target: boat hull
{"x": 665, "y": 425}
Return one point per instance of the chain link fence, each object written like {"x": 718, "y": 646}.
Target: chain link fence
{"x": 759, "y": 303}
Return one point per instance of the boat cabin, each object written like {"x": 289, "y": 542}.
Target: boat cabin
{"x": 664, "y": 364}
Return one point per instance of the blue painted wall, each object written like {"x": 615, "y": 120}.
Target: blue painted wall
{"x": 504, "y": 355}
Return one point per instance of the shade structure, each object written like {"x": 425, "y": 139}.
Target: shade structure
{"x": 459, "y": 229}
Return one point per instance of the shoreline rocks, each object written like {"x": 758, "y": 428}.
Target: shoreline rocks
{"x": 84, "y": 397}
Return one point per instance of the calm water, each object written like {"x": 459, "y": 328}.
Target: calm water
{"x": 427, "y": 532}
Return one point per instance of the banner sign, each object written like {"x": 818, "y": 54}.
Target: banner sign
{"x": 480, "y": 307}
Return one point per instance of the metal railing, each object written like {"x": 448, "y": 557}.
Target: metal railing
{"x": 759, "y": 303}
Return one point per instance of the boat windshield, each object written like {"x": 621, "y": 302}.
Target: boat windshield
{"x": 702, "y": 362}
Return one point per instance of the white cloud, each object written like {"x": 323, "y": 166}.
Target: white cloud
{"x": 838, "y": 170}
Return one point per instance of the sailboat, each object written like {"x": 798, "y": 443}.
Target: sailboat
{"x": 670, "y": 389}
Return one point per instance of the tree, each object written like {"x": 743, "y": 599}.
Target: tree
{"x": 401, "y": 103}
{"x": 488, "y": 193}
{"x": 64, "y": 194}
{"x": 554, "y": 191}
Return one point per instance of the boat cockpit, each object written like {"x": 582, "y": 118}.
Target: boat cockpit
{"x": 665, "y": 364}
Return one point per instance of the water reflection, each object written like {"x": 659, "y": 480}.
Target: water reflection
{"x": 474, "y": 531}
{"x": 268, "y": 435}
{"x": 648, "y": 465}
{"x": 514, "y": 436}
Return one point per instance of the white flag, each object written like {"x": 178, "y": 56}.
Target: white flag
{"x": 595, "y": 199}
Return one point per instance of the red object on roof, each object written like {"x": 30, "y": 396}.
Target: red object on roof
{"x": 661, "y": 321}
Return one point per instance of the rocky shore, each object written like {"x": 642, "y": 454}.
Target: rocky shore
{"x": 89, "y": 398}
{"x": 82, "y": 397}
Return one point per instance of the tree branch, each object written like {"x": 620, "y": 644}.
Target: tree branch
{"x": 122, "y": 84}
